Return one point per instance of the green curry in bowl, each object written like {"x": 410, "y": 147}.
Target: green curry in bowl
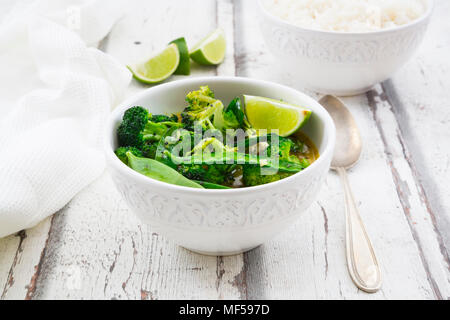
{"x": 211, "y": 146}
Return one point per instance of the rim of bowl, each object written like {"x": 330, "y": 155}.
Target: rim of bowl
{"x": 329, "y": 134}
{"x": 424, "y": 17}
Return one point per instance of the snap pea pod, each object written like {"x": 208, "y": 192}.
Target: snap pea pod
{"x": 159, "y": 171}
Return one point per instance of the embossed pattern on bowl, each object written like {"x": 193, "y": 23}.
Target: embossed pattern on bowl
{"x": 341, "y": 63}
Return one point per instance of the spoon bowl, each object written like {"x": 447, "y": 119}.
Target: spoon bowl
{"x": 348, "y": 139}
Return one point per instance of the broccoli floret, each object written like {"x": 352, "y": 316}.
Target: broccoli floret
{"x": 163, "y": 118}
{"x": 201, "y": 109}
{"x": 121, "y": 153}
{"x": 210, "y": 113}
{"x": 252, "y": 176}
{"x": 214, "y": 173}
{"x": 130, "y": 131}
{"x": 207, "y": 170}
{"x": 194, "y": 97}
{"x": 149, "y": 149}
{"x": 201, "y": 172}
{"x": 187, "y": 121}
{"x": 136, "y": 130}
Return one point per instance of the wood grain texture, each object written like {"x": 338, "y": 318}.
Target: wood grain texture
{"x": 419, "y": 97}
{"x": 21, "y": 259}
{"x": 414, "y": 202}
{"x": 96, "y": 248}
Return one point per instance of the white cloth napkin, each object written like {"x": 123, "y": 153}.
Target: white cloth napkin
{"x": 55, "y": 96}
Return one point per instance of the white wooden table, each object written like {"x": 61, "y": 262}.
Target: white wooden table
{"x": 95, "y": 248}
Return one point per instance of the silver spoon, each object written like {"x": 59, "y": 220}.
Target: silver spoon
{"x": 361, "y": 260}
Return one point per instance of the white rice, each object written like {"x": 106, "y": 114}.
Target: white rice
{"x": 347, "y": 15}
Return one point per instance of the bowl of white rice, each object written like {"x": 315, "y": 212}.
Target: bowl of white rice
{"x": 343, "y": 47}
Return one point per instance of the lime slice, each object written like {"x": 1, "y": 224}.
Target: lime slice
{"x": 265, "y": 113}
{"x": 159, "y": 67}
{"x": 210, "y": 50}
{"x": 184, "y": 67}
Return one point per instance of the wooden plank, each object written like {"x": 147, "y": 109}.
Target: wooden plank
{"x": 21, "y": 258}
{"x": 309, "y": 261}
{"x": 97, "y": 248}
{"x": 419, "y": 96}
{"x": 8, "y": 249}
{"x": 413, "y": 204}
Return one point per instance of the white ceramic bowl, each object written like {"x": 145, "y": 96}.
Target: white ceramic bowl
{"x": 340, "y": 63}
{"x": 221, "y": 222}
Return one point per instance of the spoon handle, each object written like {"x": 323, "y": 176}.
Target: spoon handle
{"x": 361, "y": 260}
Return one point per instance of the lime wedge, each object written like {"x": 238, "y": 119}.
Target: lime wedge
{"x": 210, "y": 50}
{"x": 184, "y": 67}
{"x": 159, "y": 67}
{"x": 265, "y": 113}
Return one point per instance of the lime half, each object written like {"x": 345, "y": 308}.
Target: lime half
{"x": 184, "y": 67}
{"x": 210, "y": 50}
{"x": 159, "y": 67}
{"x": 265, "y": 113}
